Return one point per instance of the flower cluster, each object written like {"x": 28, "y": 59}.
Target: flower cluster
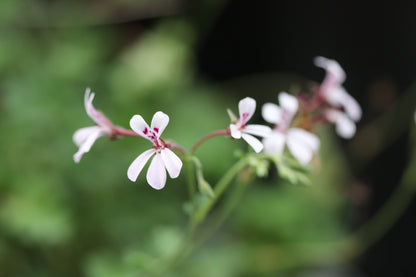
{"x": 327, "y": 103}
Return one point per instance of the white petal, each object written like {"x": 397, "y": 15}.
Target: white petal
{"x": 159, "y": 122}
{"x": 86, "y": 145}
{"x": 95, "y": 115}
{"x": 288, "y": 103}
{"x": 275, "y": 143}
{"x": 156, "y": 174}
{"x": 172, "y": 162}
{"x": 271, "y": 113}
{"x": 137, "y": 165}
{"x": 335, "y": 73}
{"x": 302, "y": 144}
{"x": 140, "y": 126}
{"x": 246, "y": 108}
{"x": 253, "y": 142}
{"x": 338, "y": 96}
{"x": 352, "y": 108}
{"x": 235, "y": 132}
{"x": 82, "y": 134}
{"x": 88, "y": 97}
{"x": 257, "y": 130}
{"x": 344, "y": 126}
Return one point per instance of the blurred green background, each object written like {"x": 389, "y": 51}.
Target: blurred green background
{"x": 58, "y": 218}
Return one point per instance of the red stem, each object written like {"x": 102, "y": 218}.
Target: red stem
{"x": 124, "y": 132}
{"x": 206, "y": 137}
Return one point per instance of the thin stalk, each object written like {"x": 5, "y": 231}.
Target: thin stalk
{"x": 191, "y": 182}
{"x": 202, "y": 212}
{"x": 118, "y": 131}
{"x": 208, "y": 136}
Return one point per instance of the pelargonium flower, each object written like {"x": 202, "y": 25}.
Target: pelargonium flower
{"x": 84, "y": 138}
{"x": 239, "y": 129}
{"x": 302, "y": 144}
{"x": 335, "y": 94}
{"x": 164, "y": 159}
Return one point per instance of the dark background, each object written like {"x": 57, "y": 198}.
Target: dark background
{"x": 375, "y": 43}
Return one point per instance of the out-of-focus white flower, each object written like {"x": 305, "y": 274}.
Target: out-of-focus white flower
{"x": 302, "y": 144}
{"x": 84, "y": 138}
{"x": 239, "y": 129}
{"x": 164, "y": 159}
{"x": 335, "y": 94}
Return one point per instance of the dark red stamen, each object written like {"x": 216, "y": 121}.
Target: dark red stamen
{"x": 145, "y": 131}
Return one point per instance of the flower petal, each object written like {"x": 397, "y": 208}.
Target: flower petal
{"x": 95, "y": 115}
{"x": 82, "y": 134}
{"x": 172, "y": 162}
{"x": 351, "y": 106}
{"x": 335, "y": 73}
{"x": 253, "y": 142}
{"x": 257, "y": 130}
{"x": 302, "y": 144}
{"x": 87, "y": 143}
{"x": 246, "y": 108}
{"x": 235, "y": 132}
{"x": 137, "y": 165}
{"x": 344, "y": 126}
{"x": 272, "y": 113}
{"x": 288, "y": 103}
{"x": 140, "y": 126}
{"x": 159, "y": 122}
{"x": 275, "y": 143}
{"x": 156, "y": 174}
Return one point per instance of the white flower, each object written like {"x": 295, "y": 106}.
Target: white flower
{"x": 302, "y": 144}
{"x": 335, "y": 94}
{"x": 84, "y": 138}
{"x": 239, "y": 129}
{"x": 164, "y": 159}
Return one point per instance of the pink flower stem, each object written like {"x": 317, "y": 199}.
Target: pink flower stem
{"x": 207, "y": 137}
{"x": 118, "y": 131}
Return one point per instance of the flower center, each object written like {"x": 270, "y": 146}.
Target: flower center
{"x": 153, "y": 137}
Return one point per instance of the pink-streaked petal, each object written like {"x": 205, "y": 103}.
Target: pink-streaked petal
{"x": 140, "y": 126}
{"x": 137, "y": 165}
{"x": 257, "y": 130}
{"x": 271, "y": 113}
{"x": 172, "y": 162}
{"x": 302, "y": 144}
{"x": 253, "y": 142}
{"x": 82, "y": 134}
{"x": 156, "y": 174}
{"x": 288, "y": 103}
{"x": 246, "y": 109}
{"x": 86, "y": 145}
{"x": 335, "y": 73}
{"x": 235, "y": 132}
{"x": 275, "y": 143}
{"x": 159, "y": 122}
{"x": 344, "y": 126}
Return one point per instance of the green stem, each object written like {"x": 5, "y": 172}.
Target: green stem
{"x": 222, "y": 214}
{"x": 191, "y": 182}
{"x": 199, "y": 215}
{"x": 202, "y": 212}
